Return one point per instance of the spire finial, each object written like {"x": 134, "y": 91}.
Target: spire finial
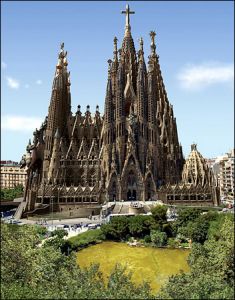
{"x": 115, "y": 43}
{"x": 115, "y": 48}
{"x": 62, "y": 54}
{"x": 109, "y": 62}
{"x": 61, "y": 59}
{"x": 78, "y": 110}
{"x": 141, "y": 43}
{"x": 153, "y": 46}
{"x": 127, "y": 12}
{"x": 141, "y": 51}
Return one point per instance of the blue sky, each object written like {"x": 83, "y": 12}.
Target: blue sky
{"x": 194, "y": 41}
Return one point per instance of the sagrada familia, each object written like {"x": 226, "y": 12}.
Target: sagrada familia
{"x": 131, "y": 153}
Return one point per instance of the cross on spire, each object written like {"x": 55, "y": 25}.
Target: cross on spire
{"x": 127, "y": 12}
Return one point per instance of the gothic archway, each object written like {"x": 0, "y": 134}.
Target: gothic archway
{"x": 113, "y": 188}
{"x": 131, "y": 187}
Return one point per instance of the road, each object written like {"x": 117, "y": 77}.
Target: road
{"x": 94, "y": 220}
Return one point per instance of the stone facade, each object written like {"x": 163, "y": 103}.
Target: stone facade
{"x": 125, "y": 155}
{"x": 198, "y": 186}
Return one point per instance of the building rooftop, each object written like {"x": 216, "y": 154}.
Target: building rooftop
{"x": 9, "y": 163}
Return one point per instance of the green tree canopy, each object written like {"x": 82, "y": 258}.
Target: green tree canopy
{"x": 11, "y": 194}
{"x": 159, "y": 214}
{"x": 31, "y": 271}
{"x": 212, "y": 269}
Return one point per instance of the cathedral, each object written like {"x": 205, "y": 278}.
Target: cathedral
{"x": 130, "y": 153}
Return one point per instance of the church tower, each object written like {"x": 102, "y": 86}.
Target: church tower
{"x": 59, "y": 110}
{"x": 140, "y": 139}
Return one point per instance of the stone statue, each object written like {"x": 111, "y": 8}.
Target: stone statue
{"x": 23, "y": 161}
{"x": 131, "y": 124}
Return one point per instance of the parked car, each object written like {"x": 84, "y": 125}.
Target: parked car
{"x": 12, "y": 221}
{"x": 86, "y": 225}
{"x": 92, "y": 226}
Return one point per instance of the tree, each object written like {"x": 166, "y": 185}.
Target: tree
{"x": 117, "y": 229}
{"x": 195, "y": 230}
{"x": 159, "y": 214}
{"x": 216, "y": 224}
{"x": 32, "y": 272}
{"x": 139, "y": 226}
{"x": 11, "y": 194}
{"x": 186, "y": 215}
{"x": 57, "y": 239}
{"x": 211, "y": 269}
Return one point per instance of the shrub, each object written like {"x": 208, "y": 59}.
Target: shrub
{"x": 86, "y": 238}
{"x": 172, "y": 243}
{"x": 158, "y": 238}
{"x": 167, "y": 228}
{"x": 60, "y": 233}
{"x": 147, "y": 239}
{"x": 40, "y": 230}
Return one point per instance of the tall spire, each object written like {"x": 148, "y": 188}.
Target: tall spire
{"x": 141, "y": 84}
{"x": 108, "y": 98}
{"x": 127, "y": 12}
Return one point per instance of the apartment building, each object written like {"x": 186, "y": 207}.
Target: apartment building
{"x": 11, "y": 174}
{"x": 223, "y": 169}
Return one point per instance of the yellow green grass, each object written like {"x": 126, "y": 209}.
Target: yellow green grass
{"x": 154, "y": 265}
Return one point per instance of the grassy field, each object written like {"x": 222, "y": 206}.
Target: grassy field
{"x": 150, "y": 264}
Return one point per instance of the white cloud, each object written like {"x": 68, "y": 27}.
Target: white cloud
{"x": 12, "y": 83}
{"x": 3, "y": 65}
{"x": 199, "y": 76}
{"x": 39, "y": 81}
{"x": 20, "y": 123}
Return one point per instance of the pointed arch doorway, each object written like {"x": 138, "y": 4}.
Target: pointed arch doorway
{"x": 131, "y": 187}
